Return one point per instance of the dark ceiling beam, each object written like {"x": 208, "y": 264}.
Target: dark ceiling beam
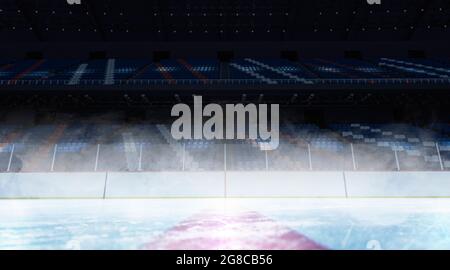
{"x": 418, "y": 18}
{"x": 164, "y": 20}
{"x": 94, "y": 15}
{"x": 27, "y": 13}
{"x": 351, "y": 21}
{"x": 219, "y": 22}
{"x": 158, "y": 20}
{"x": 2, "y": 25}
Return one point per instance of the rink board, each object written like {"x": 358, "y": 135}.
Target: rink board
{"x": 165, "y": 184}
{"x": 224, "y": 184}
{"x": 398, "y": 184}
{"x": 51, "y": 185}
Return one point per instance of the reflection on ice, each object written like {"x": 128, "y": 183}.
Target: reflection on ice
{"x": 226, "y": 224}
{"x": 237, "y": 230}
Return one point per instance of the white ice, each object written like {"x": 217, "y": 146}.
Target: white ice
{"x": 128, "y": 224}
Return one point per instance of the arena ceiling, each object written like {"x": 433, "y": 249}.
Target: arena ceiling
{"x": 220, "y": 20}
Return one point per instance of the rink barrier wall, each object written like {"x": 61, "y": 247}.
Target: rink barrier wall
{"x": 52, "y": 185}
{"x": 398, "y": 184}
{"x": 230, "y": 184}
{"x": 165, "y": 184}
{"x": 285, "y": 184}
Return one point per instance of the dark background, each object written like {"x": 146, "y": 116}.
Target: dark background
{"x": 292, "y": 29}
{"x": 202, "y": 28}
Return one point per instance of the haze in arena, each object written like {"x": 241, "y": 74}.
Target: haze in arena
{"x": 224, "y": 125}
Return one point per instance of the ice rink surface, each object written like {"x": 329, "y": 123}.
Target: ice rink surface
{"x": 226, "y": 224}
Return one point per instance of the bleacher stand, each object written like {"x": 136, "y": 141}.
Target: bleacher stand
{"x": 105, "y": 146}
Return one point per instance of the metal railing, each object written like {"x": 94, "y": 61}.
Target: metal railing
{"x": 78, "y": 157}
{"x": 143, "y": 82}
